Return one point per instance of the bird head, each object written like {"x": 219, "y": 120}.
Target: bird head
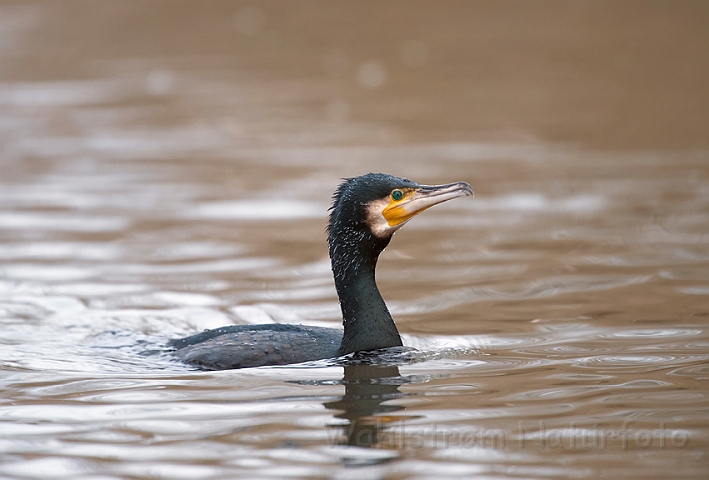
{"x": 370, "y": 208}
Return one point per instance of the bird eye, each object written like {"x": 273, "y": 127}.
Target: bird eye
{"x": 397, "y": 194}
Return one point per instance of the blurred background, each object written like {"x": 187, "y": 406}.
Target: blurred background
{"x": 167, "y": 166}
{"x": 596, "y": 74}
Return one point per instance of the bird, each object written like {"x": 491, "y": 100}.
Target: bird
{"x": 365, "y": 213}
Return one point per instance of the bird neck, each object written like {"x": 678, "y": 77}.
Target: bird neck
{"x": 367, "y": 322}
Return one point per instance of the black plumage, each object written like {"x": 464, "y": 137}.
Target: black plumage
{"x": 365, "y": 213}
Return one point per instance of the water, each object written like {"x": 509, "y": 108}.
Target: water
{"x": 167, "y": 169}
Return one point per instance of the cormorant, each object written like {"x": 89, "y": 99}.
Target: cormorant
{"x": 365, "y": 213}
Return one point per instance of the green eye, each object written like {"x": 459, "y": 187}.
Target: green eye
{"x": 397, "y": 195}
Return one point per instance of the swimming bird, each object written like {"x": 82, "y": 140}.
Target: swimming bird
{"x": 365, "y": 213}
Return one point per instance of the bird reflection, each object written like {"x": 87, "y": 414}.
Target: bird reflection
{"x": 367, "y": 388}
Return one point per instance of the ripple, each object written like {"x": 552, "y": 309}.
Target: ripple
{"x": 229, "y": 265}
{"x": 60, "y": 250}
{"x": 699, "y": 371}
{"x": 61, "y": 467}
{"x": 651, "y": 333}
{"x": 687, "y": 273}
{"x": 194, "y": 250}
{"x": 541, "y": 288}
{"x": 530, "y": 202}
{"x": 581, "y": 377}
{"x": 695, "y": 290}
{"x": 54, "y": 304}
{"x": 584, "y": 390}
{"x": 564, "y": 350}
{"x": 508, "y": 365}
{"x": 312, "y": 293}
{"x": 87, "y": 289}
{"x": 321, "y": 314}
{"x": 59, "y": 93}
{"x": 653, "y": 398}
{"x": 61, "y": 222}
{"x": 46, "y": 272}
{"x": 265, "y": 209}
{"x": 486, "y": 344}
{"x": 635, "y": 363}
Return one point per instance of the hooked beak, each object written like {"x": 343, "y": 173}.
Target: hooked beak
{"x": 419, "y": 199}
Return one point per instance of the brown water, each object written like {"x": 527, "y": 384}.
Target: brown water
{"x": 166, "y": 167}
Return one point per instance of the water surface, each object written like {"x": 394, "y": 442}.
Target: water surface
{"x": 167, "y": 168}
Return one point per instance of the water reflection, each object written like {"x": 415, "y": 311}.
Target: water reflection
{"x": 367, "y": 387}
